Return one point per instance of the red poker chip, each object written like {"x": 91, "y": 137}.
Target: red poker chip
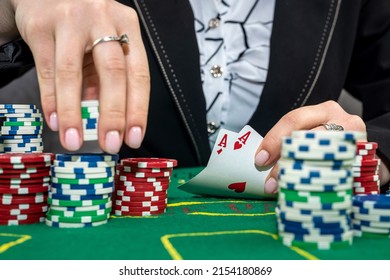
{"x": 28, "y": 170}
{"x": 366, "y": 189}
{"x": 359, "y": 158}
{"x": 373, "y": 178}
{"x": 14, "y": 183}
{"x": 25, "y": 175}
{"x": 145, "y": 170}
{"x": 124, "y": 199}
{"x": 141, "y": 193}
{"x": 21, "y": 217}
{"x": 29, "y": 220}
{"x": 162, "y": 174}
{"x": 138, "y": 213}
{"x": 140, "y": 203}
{"x": 365, "y": 152}
{"x": 366, "y": 184}
{"x": 138, "y": 209}
{"x": 365, "y": 168}
{"x": 142, "y": 188}
{"x": 32, "y": 210}
{"x": 124, "y": 178}
{"x": 365, "y": 193}
{"x": 369, "y": 162}
{"x": 17, "y": 158}
{"x": 364, "y": 174}
{"x": 27, "y": 190}
{"x": 8, "y": 199}
{"x": 149, "y": 162}
{"x": 27, "y": 206}
{"x": 367, "y": 145}
{"x": 141, "y": 184}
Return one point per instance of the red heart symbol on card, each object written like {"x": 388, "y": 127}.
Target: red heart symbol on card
{"x": 238, "y": 187}
{"x": 237, "y": 145}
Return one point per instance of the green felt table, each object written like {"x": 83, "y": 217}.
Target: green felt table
{"x": 193, "y": 228}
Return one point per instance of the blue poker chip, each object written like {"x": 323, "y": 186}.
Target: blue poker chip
{"x": 18, "y": 111}
{"x": 92, "y": 157}
{"x": 18, "y": 119}
{"x": 319, "y": 231}
{"x": 78, "y": 197}
{"x": 317, "y": 221}
{"x": 332, "y": 237}
{"x": 83, "y": 208}
{"x": 82, "y": 187}
{"x": 372, "y": 201}
{"x": 24, "y": 137}
{"x": 10, "y": 149}
{"x": 341, "y": 212}
{"x": 84, "y": 192}
{"x": 81, "y": 170}
{"x": 18, "y": 106}
{"x": 86, "y": 164}
{"x": 81, "y": 175}
{"x": 322, "y": 206}
{"x": 21, "y": 128}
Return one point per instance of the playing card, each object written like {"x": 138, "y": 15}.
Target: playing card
{"x": 224, "y": 139}
{"x": 234, "y": 173}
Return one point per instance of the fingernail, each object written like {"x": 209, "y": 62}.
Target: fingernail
{"x": 261, "y": 158}
{"x": 53, "y": 121}
{"x": 113, "y": 142}
{"x": 72, "y": 139}
{"x": 135, "y": 137}
{"x": 271, "y": 185}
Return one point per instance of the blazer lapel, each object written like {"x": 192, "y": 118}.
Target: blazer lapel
{"x": 301, "y": 34}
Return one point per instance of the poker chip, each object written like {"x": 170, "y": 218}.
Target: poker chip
{"x": 74, "y": 225}
{"x": 81, "y": 190}
{"x": 371, "y": 215}
{"x": 24, "y": 187}
{"x": 72, "y": 214}
{"x": 315, "y": 188}
{"x": 90, "y": 119}
{"x": 149, "y": 162}
{"x": 366, "y": 169}
{"x": 142, "y": 185}
{"x": 138, "y": 213}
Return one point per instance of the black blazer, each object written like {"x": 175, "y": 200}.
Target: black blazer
{"x": 318, "y": 47}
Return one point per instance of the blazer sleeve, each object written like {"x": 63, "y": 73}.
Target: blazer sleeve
{"x": 369, "y": 73}
{"x": 15, "y": 59}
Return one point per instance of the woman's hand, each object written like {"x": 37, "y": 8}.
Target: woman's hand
{"x": 305, "y": 118}
{"x": 60, "y": 35}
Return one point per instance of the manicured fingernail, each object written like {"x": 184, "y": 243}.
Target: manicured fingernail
{"x": 261, "y": 158}
{"x": 72, "y": 139}
{"x": 271, "y": 185}
{"x": 135, "y": 137}
{"x": 53, "y": 121}
{"x": 113, "y": 142}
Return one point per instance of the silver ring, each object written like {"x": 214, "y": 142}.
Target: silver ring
{"x": 333, "y": 127}
{"x": 123, "y": 39}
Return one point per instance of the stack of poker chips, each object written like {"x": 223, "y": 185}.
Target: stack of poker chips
{"x": 371, "y": 215}
{"x": 24, "y": 185}
{"x": 366, "y": 169}
{"x": 141, "y": 186}
{"x": 315, "y": 189}
{"x": 81, "y": 190}
{"x": 21, "y": 128}
{"x": 90, "y": 118}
